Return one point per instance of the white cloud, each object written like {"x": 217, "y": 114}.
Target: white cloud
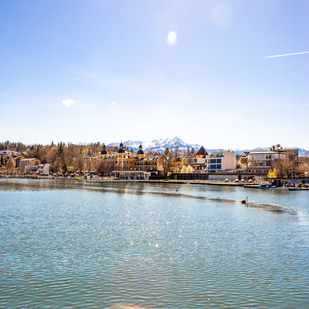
{"x": 114, "y": 104}
{"x": 68, "y": 102}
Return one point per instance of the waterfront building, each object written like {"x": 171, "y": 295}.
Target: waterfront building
{"x": 126, "y": 160}
{"x": 121, "y": 159}
{"x": 260, "y": 162}
{"x": 45, "y": 169}
{"x": 177, "y": 164}
{"x": 202, "y": 153}
{"x": 199, "y": 160}
{"x": 216, "y": 161}
{"x": 144, "y": 163}
{"x": 221, "y": 161}
{"x": 5, "y": 152}
{"x": 30, "y": 164}
{"x": 243, "y": 161}
{"x": 131, "y": 175}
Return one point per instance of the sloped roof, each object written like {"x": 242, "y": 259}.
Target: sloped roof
{"x": 202, "y": 152}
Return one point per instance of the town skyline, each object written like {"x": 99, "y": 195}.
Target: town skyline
{"x": 218, "y": 73}
{"x": 156, "y": 145}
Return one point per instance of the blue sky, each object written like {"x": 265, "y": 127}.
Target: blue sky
{"x": 87, "y": 71}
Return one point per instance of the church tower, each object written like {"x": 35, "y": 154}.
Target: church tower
{"x": 140, "y": 154}
{"x": 104, "y": 152}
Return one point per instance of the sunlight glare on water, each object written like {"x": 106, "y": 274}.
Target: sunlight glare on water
{"x": 77, "y": 245}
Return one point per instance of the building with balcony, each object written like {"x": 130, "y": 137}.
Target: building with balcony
{"x": 129, "y": 161}
{"x": 261, "y": 162}
{"x": 30, "y": 164}
{"x": 216, "y": 161}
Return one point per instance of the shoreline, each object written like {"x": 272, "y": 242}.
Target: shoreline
{"x": 249, "y": 185}
{"x": 193, "y": 182}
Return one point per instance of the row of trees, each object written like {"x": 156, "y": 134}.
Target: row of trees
{"x": 63, "y": 157}
{"x": 7, "y": 145}
{"x": 60, "y": 156}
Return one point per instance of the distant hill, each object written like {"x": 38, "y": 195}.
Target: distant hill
{"x": 159, "y": 145}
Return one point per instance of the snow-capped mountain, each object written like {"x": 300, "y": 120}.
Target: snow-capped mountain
{"x": 159, "y": 145}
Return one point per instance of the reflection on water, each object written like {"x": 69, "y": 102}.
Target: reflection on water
{"x": 125, "y": 188}
{"x": 272, "y": 208}
{"x": 74, "y": 244}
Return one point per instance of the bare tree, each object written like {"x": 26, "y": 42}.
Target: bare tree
{"x": 99, "y": 168}
{"x": 165, "y": 164}
{"x": 304, "y": 165}
{"x": 89, "y": 164}
{"x": 176, "y": 152}
{"x": 10, "y": 164}
{"x": 285, "y": 166}
{"x": 105, "y": 167}
{"x": 79, "y": 163}
{"x": 51, "y": 155}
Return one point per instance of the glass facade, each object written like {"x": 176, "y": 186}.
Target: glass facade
{"x": 214, "y": 161}
{"x": 215, "y": 167}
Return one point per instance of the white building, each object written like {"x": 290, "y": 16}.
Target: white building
{"x": 221, "y": 161}
{"x": 45, "y": 169}
{"x": 5, "y": 152}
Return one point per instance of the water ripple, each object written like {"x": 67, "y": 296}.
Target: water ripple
{"x": 153, "y": 247}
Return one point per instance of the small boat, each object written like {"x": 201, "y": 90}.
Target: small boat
{"x": 266, "y": 186}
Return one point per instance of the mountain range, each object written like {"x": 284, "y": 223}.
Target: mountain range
{"x": 159, "y": 145}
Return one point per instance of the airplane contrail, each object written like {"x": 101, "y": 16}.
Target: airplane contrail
{"x": 283, "y": 55}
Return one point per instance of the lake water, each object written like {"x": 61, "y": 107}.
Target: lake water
{"x": 71, "y": 244}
